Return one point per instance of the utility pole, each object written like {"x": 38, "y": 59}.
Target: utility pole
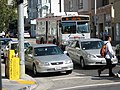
{"x": 21, "y": 37}
{"x": 95, "y": 19}
{"x": 0, "y": 68}
{"x": 50, "y": 5}
{"x": 60, "y": 5}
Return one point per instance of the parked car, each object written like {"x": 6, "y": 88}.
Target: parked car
{"x": 4, "y": 42}
{"x": 2, "y": 34}
{"x": 26, "y": 34}
{"x": 43, "y": 58}
{"x": 13, "y": 45}
{"x": 117, "y": 51}
{"x": 86, "y": 52}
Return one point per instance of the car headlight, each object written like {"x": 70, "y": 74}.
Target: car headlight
{"x": 68, "y": 61}
{"x": 45, "y": 64}
{"x": 42, "y": 63}
{"x": 91, "y": 56}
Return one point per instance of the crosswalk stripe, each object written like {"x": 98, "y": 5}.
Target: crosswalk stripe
{"x": 57, "y": 79}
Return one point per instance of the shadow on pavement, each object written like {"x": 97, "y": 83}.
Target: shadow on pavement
{"x": 52, "y": 74}
{"x": 78, "y": 67}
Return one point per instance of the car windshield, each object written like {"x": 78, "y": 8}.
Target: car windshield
{"x": 15, "y": 45}
{"x": 5, "y": 41}
{"x": 26, "y": 45}
{"x": 43, "y": 51}
{"x": 91, "y": 45}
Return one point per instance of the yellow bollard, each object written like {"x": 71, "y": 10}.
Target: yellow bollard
{"x": 10, "y": 55}
{"x": 14, "y": 71}
{"x": 12, "y": 66}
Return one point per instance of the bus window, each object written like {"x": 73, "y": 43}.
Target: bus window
{"x": 68, "y": 27}
{"x": 82, "y": 27}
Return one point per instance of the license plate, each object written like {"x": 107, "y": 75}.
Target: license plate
{"x": 103, "y": 61}
{"x": 58, "y": 68}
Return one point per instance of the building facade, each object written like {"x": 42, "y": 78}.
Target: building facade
{"x": 42, "y": 8}
{"x": 102, "y": 16}
{"x": 116, "y": 5}
{"x": 105, "y": 17}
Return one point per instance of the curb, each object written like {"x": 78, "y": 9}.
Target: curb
{"x": 32, "y": 83}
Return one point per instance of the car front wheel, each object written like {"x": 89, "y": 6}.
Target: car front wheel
{"x": 69, "y": 72}
{"x": 82, "y": 63}
{"x": 34, "y": 70}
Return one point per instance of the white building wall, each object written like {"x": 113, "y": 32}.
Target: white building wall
{"x": 39, "y": 10}
{"x": 55, "y": 6}
{"x": 62, "y": 6}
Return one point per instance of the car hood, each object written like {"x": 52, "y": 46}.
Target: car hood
{"x": 93, "y": 51}
{"x": 50, "y": 58}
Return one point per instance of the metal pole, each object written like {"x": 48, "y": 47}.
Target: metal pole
{"x": 95, "y": 6}
{"x": 0, "y": 69}
{"x": 21, "y": 38}
{"x": 60, "y": 5}
{"x": 50, "y": 5}
{"x": 95, "y": 18}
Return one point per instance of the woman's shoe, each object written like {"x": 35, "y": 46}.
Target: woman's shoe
{"x": 99, "y": 72}
{"x": 111, "y": 75}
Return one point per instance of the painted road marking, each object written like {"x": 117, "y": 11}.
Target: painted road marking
{"x": 92, "y": 85}
{"x": 25, "y": 81}
{"x": 57, "y": 79}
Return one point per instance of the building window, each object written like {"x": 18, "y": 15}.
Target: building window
{"x": 105, "y": 2}
{"x": 70, "y": 5}
{"x": 80, "y": 4}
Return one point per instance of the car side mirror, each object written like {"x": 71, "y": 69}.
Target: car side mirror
{"x": 65, "y": 52}
{"x": 7, "y": 47}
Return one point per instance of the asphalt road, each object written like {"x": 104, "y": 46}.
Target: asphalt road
{"x": 107, "y": 86}
{"x": 80, "y": 79}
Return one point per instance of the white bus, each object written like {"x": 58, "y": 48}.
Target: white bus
{"x": 60, "y": 29}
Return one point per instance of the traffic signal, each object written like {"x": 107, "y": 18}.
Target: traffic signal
{"x": 19, "y": 1}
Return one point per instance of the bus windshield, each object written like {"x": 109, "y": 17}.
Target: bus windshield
{"x": 82, "y": 27}
{"x": 75, "y": 27}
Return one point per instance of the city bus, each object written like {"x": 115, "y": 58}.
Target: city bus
{"x": 59, "y": 29}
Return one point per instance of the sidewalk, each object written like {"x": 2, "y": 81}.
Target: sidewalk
{"x": 27, "y": 83}
{"x": 23, "y": 84}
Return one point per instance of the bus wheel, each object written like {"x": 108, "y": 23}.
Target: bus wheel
{"x": 42, "y": 41}
{"x": 54, "y": 41}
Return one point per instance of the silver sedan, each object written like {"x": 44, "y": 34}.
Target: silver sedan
{"x": 42, "y": 58}
{"x": 87, "y": 52}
